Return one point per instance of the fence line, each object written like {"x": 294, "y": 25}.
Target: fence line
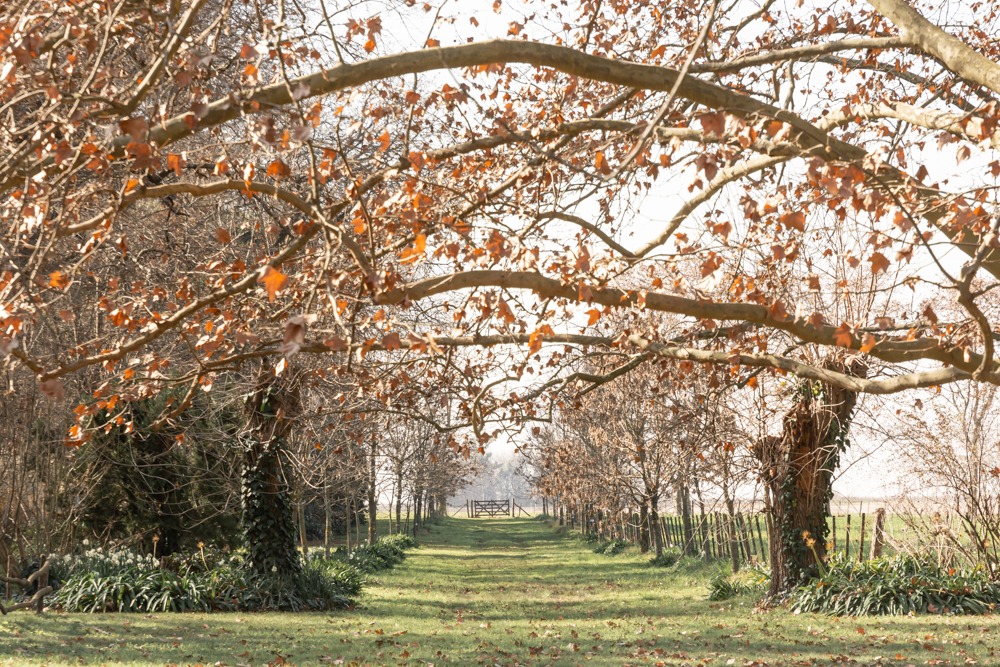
{"x": 741, "y": 538}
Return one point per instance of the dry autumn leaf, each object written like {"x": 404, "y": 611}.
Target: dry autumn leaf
{"x": 601, "y": 163}
{"x": 274, "y": 281}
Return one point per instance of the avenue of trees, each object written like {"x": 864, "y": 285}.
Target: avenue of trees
{"x": 366, "y": 240}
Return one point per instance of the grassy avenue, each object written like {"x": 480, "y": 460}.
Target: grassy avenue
{"x": 508, "y": 592}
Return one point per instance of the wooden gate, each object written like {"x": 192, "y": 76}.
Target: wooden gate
{"x": 490, "y": 508}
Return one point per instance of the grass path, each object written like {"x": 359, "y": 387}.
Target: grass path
{"x": 507, "y": 592}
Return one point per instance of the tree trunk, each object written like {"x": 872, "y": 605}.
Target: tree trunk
{"x": 644, "y": 526}
{"x": 399, "y": 496}
{"x": 268, "y": 520}
{"x": 326, "y": 520}
{"x": 684, "y": 509}
{"x": 798, "y": 470}
{"x": 731, "y": 530}
{"x": 372, "y": 496}
{"x": 654, "y": 521}
{"x": 418, "y": 496}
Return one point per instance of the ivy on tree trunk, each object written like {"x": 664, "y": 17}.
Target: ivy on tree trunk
{"x": 268, "y": 520}
{"x": 798, "y": 469}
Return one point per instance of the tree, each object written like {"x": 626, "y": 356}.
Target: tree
{"x": 952, "y": 465}
{"x": 505, "y": 199}
{"x": 798, "y": 468}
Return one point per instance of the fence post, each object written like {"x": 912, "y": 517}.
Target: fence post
{"x": 706, "y": 542}
{"x": 748, "y": 547}
{"x": 878, "y": 533}
{"x": 765, "y": 552}
{"x": 847, "y": 553}
{"x": 734, "y": 545}
{"x": 861, "y": 544}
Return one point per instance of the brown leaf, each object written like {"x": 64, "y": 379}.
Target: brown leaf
{"x": 722, "y": 229}
{"x": 336, "y": 344}
{"x": 417, "y": 160}
{"x": 777, "y": 311}
{"x": 295, "y": 335}
{"x": 391, "y": 341}
{"x": 594, "y": 315}
{"x": 535, "y": 339}
{"x": 842, "y": 336}
{"x": 175, "y": 162}
{"x": 816, "y": 320}
{"x": 273, "y": 280}
{"x": 53, "y": 388}
{"x": 879, "y": 262}
{"x": 223, "y": 236}
{"x": 136, "y": 128}
{"x": 868, "y": 342}
{"x": 713, "y": 123}
{"x": 601, "y": 163}
{"x": 794, "y": 220}
{"x": 58, "y": 279}
{"x": 711, "y": 264}
{"x": 278, "y": 170}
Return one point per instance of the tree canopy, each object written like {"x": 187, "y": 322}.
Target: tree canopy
{"x": 188, "y": 185}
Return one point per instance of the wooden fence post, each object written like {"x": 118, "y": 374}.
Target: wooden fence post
{"x": 748, "y": 548}
{"x": 765, "y": 549}
{"x": 734, "y": 545}
{"x": 878, "y": 533}
{"x": 861, "y": 544}
{"x": 847, "y": 552}
{"x": 706, "y": 543}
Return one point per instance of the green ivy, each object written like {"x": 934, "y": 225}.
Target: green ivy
{"x": 793, "y": 545}
{"x": 268, "y": 522}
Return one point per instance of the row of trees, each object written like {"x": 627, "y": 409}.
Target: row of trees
{"x": 197, "y": 188}
{"x": 264, "y": 465}
{"x": 671, "y": 434}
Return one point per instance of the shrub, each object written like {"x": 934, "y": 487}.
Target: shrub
{"x": 611, "y": 548}
{"x": 105, "y": 581}
{"x": 668, "y": 558}
{"x": 386, "y": 553}
{"x": 750, "y": 581}
{"x": 400, "y": 540}
{"x": 316, "y": 587}
{"x": 896, "y": 585}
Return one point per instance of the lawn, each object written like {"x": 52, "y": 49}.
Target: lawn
{"x": 507, "y": 592}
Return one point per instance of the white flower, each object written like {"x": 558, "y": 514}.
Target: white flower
{"x": 86, "y": 543}
{"x": 274, "y": 568}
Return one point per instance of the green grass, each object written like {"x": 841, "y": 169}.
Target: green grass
{"x": 507, "y": 592}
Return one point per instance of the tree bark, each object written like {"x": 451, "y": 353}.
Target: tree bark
{"x": 399, "y": 497}
{"x": 372, "y": 495}
{"x": 417, "y": 499}
{"x": 644, "y": 526}
{"x": 798, "y": 469}
{"x": 654, "y": 522}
